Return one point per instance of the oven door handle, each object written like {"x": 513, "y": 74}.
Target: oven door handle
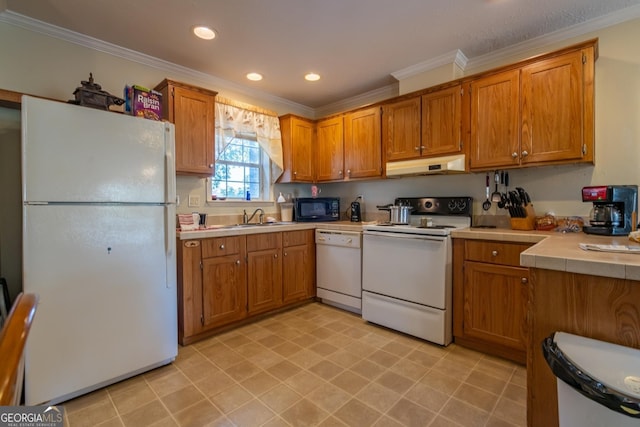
{"x": 394, "y": 235}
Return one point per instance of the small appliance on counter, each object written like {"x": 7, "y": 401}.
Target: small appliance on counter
{"x": 317, "y": 209}
{"x": 355, "y": 214}
{"x": 614, "y": 211}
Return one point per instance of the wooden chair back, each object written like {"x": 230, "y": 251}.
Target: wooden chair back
{"x": 13, "y": 338}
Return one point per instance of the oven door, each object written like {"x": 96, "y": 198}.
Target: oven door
{"x": 411, "y": 267}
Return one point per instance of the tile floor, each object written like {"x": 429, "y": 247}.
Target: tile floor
{"x": 314, "y": 365}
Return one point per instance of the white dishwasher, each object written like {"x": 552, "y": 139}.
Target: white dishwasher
{"x": 339, "y": 268}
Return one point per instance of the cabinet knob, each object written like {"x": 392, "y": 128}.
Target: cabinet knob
{"x": 275, "y": 255}
{"x": 221, "y": 246}
{"x": 416, "y": 148}
{"x": 494, "y": 253}
{"x": 295, "y": 173}
{"x": 525, "y": 153}
{"x": 524, "y": 280}
{"x": 349, "y": 172}
{"x": 210, "y": 165}
{"x": 285, "y": 254}
{"x": 514, "y": 155}
{"x": 340, "y": 173}
{"x": 238, "y": 262}
{"x": 422, "y": 147}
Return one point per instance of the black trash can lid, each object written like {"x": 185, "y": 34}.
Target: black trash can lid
{"x": 606, "y": 373}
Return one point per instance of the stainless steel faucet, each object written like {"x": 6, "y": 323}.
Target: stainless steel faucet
{"x": 247, "y": 219}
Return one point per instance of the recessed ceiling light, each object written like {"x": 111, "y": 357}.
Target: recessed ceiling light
{"x": 312, "y": 77}
{"x": 205, "y": 33}
{"x": 255, "y": 77}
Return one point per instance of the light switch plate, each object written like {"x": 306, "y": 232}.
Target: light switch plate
{"x": 194, "y": 201}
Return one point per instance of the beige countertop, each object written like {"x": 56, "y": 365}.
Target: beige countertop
{"x": 561, "y": 251}
{"x": 225, "y": 230}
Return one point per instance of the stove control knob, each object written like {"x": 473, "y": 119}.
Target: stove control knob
{"x": 428, "y": 204}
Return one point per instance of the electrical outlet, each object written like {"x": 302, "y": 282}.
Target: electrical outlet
{"x": 194, "y": 201}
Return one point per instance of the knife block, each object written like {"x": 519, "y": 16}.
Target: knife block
{"x": 526, "y": 223}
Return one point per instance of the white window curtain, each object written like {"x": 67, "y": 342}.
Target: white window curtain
{"x": 234, "y": 118}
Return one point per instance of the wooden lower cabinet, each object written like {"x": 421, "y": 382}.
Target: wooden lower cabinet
{"x": 490, "y": 296}
{"x": 224, "y": 291}
{"x": 298, "y": 265}
{"x": 225, "y": 280}
{"x": 264, "y": 272}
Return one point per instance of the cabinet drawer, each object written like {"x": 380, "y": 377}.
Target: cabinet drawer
{"x": 221, "y": 246}
{"x": 494, "y": 252}
{"x": 296, "y": 238}
{"x": 261, "y": 242}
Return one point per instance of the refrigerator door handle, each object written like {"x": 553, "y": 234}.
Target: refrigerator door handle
{"x": 170, "y": 164}
{"x": 170, "y": 245}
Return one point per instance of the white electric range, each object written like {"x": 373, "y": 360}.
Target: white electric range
{"x": 407, "y": 269}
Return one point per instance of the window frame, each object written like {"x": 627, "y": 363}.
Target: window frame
{"x": 264, "y": 167}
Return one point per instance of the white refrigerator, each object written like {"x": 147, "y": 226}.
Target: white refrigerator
{"x": 98, "y": 247}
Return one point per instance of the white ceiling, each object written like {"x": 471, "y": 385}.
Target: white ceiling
{"x": 355, "y": 45}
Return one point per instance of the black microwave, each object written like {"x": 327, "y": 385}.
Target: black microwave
{"x": 308, "y": 209}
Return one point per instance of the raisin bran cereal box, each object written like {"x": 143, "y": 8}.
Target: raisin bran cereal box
{"x": 143, "y": 102}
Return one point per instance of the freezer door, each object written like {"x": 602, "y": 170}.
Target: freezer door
{"x": 78, "y": 154}
{"x": 107, "y": 285}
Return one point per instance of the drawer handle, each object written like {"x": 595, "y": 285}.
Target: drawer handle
{"x": 524, "y": 280}
{"x": 221, "y": 246}
{"x": 494, "y": 253}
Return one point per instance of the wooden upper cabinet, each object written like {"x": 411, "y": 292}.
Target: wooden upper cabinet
{"x": 495, "y": 134}
{"x": 330, "y": 149}
{"x": 192, "y": 110}
{"x": 298, "y": 135}
{"x": 557, "y": 120}
{"x": 539, "y": 113}
{"x": 363, "y": 144}
{"x": 441, "y": 122}
{"x": 401, "y": 129}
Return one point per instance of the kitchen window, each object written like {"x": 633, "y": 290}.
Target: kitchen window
{"x": 248, "y": 151}
{"x": 241, "y": 167}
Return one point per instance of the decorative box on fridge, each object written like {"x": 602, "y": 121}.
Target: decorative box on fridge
{"x": 143, "y": 102}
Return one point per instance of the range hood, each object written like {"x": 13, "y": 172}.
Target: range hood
{"x": 429, "y": 166}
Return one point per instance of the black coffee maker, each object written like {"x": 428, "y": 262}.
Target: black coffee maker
{"x": 615, "y": 209}
{"x": 355, "y": 213}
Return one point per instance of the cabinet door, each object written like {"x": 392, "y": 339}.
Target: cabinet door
{"x": 363, "y": 144}
{"x": 189, "y": 288}
{"x": 298, "y": 268}
{"x": 297, "y": 149}
{"x": 441, "y": 122}
{"x": 264, "y": 280}
{"x": 194, "y": 121}
{"x": 330, "y": 150}
{"x": 495, "y": 121}
{"x": 401, "y": 129}
{"x": 552, "y": 109}
{"x": 224, "y": 290}
{"x": 495, "y": 303}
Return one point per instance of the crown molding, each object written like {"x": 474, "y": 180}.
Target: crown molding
{"x": 35, "y": 25}
{"x": 455, "y": 57}
{"x": 577, "y": 30}
{"x": 376, "y": 95}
